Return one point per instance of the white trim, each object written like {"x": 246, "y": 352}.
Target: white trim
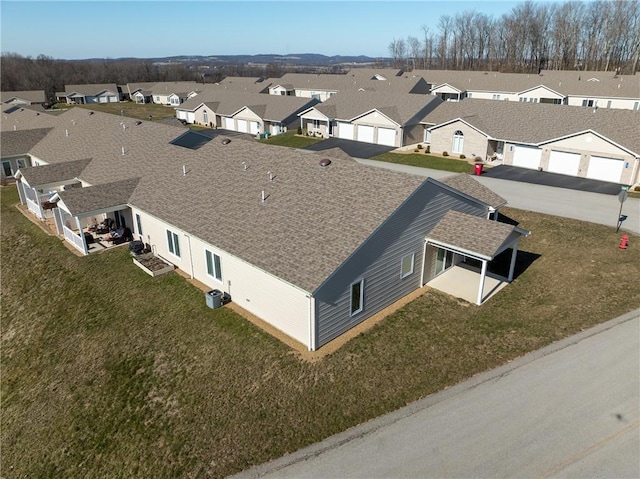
{"x": 410, "y": 272}
{"x": 171, "y": 243}
{"x": 216, "y": 270}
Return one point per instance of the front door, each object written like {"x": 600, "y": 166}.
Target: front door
{"x": 444, "y": 260}
{"x": 6, "y": 168}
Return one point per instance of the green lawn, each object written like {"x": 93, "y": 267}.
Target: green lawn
{"x": 140, "y": 111}
{"x": 107, "y": 372}
{"x": 291, "y": 139}
{"x": 426, "y": 161}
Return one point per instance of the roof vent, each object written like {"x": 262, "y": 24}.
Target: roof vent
{"x": 90, "y": 113}
{"x": 226, "y": 141}
{"x": 138, "y": 123}
{"x": 325, "y": 162}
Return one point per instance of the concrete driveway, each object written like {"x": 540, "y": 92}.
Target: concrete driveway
{"x": 551, "y": 179}
{"x": 355, "y": 149}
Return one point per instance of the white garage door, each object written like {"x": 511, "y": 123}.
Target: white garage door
{"x": 254, "y": 127}
{"x": 526, "y": 157}
{"x": 191, "y": 117}
{"x": 365, "y": 133}
{"x": 242, "y": 126}
{"x": 605, "y": 169}
{"x": 564, "y": 163}
{"x": 345, "y": 131}
{"x": 229, "y": 124}
{"x": 181, "y": 114}
{"x": 386, "y": 136}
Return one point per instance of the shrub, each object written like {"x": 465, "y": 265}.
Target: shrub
{"x": 299, "y": 130}
{"x": 462, "y": 157}
{"x": 416, "y": 150}
{"x": 428, "y": 149}
{"x": 419, "y": 147}
{"x": 444, "y": 153}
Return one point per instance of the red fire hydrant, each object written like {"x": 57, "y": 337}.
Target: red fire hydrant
{"x": 624, "y": 241}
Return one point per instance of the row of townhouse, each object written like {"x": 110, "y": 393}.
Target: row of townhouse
{"x": 311, "y": 243}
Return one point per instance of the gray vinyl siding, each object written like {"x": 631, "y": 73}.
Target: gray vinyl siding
{"x": 377, "y": 261}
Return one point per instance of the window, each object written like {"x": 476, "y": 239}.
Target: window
{"x": 357, "y": 297}
{"x": 174, "y": 243}
{"x": 406, "y": 265}
{"x": 427, "y": 136}
{"x": 458, "y": 142}
{"x": 22, "y": 163}
{"x": 316, "y": 124}
{"x": 496, "y": 97}
{"x": 522, "y": 99}
{"x": 213, "y": 265}
{"x": 139, "y": 224}
{"x": 636, "y": 105}
{"x": 205, "y": 117}
{"x": 609, "y": 104}
{"x": 315, "y": 96}
{"x": 158, "y": 99}
{"x": 469, "y": 94}
{"x": 587, "y": 102}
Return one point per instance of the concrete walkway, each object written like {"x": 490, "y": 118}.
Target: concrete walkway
{"x": 581, "y": 205}
{"x": 568, "y": 410}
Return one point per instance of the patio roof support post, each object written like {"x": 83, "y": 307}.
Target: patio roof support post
{"x": 483, "y": 274}
{"x": 512, "y": 266}
{"x": 85, "y": 250}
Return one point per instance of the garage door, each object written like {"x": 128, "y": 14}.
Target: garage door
{"x": 345, "y": 131}
{"x": 526, "y": 157}
{"x": 229, "y": 124}
{"x": 191, "y": 117}
{"x": 254, "y": 127}
{"x": 386, "y": 136}
{"x": 605, "y": 169}
{"x": 564, "y": 163}
{"x": 242, "y": 126}
{"x": 181, "y": 114}
{"x": 365, "y": 133}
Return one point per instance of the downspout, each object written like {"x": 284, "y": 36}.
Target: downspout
{"x": 312, "y": 324}
{"x": 424, "y": 258}
{"x": 190, "y": 255}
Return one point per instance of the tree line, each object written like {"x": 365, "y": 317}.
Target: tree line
{"x": 599, "y": 36}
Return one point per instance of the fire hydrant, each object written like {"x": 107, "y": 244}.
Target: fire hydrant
{"x": 624, "y": 241}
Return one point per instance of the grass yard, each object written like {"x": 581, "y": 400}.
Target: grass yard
{"x": 141, "y": 111}
{"x": 107, "y": 372}
{"x": 426, "y": 161}
{"x": 290, "y": 139}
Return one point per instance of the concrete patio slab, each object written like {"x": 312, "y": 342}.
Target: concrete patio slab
{"x": 463, "y": 282}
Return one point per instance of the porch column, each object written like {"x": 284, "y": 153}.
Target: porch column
{"x": 85, "y": 250}
{"x": 483, "y": 273}
{"x": 512, "y": 266}
{"x": 39, "y": 203}
{"x": 23, "y": 198}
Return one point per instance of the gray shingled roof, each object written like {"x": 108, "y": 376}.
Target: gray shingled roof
{"x": 470, "y": 186}
{"x": 403, "y": 108}
{"x": 471, "y": 233}
{"x": 99, "y": 197}
{"x": 90, "y": 89}
{"x": 57, "y": 172}
{"x": 167, "y": 88}
{"x": 33, "y": 96}
{"x": 565, "y": 82}
{"x": 20, "y": 141}
{"x": 536, "y": 123}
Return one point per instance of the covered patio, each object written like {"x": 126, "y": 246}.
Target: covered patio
{"x": 461, "y": 246}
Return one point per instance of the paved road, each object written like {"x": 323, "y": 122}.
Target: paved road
{"x": 570, "y": 410}
{"x": 581, "y": 205}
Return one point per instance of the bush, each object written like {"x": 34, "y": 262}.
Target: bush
{"x": 462, "y": 157}
{"x": 428, "y": 149}
{"x": 299, "y": 130}
{"x": 444, "y": 153}
{"x": 416, "y": 150}
{"x": 419, "y": 147}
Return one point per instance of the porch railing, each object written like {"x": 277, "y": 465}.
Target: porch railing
{"x": 74, "y": 238}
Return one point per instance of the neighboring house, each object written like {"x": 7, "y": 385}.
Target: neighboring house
{"x": 324, "y": 86}
{"x": 310, "y": 246}
{"x": 248, "y": 84}
{"x": 244, "y": 112}
{"x": 595, "y": 143}
{"x": 31, "y": 97}
{"x": 86, "y": 94}
{"x": 561, "y": 87}
{"x": 173, "y": 93}
{"x": 139, "y": 92}
{"x": 388, "y": 118}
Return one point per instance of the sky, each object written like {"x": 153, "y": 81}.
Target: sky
{"x": 147, "y": 29}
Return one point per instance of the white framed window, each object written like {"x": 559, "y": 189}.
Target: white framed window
{"x": 205, "y": 116}
{"x": 458, "y": 142}
{"x": 427, "y": 136}
{"x": 213, "y": 265}
{"x": 496, "y": 96}
{"x": 636, "y": 105}
{"x": 609, "y": 104}
{"x": 158, "y": 99}
{"x": 522, "y": 99}
{"x": 406, "y": 265}
{"x": 587, "y": 102}
{"x": 173, "y": 242}
{"x": 357, "y": 297}
{"x": 316, "y": 124}
{"x": 22, "y": 163}
{"x": 139, "y": 224}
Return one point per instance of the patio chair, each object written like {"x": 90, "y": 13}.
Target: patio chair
{"x": 119, "y": 236}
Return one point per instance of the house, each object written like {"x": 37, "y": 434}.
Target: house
{"x": 139, "y": 92}
{"x": 312, "y": 244}
{"x": 243, "y": 111}
{"x": 94, "y": 93}
{"x": 560, "y": 87}
{"x": 30, "y": 97}
{"x": 173, "y": 93}
{"x": 324, "y": 86}
{"x": 596, "y": 143}
{"x": 385, "y": 118}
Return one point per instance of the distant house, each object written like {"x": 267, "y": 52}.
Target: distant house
{"x": 243, "y": 112}
{"x": 30, "y": 97}
{"x": 87, "y": 94}
{"x": 600, "y": 144}
{"x": 389, "y": 118}
{"x": 173, "y": 93}
{"x": 312, "y": 244}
